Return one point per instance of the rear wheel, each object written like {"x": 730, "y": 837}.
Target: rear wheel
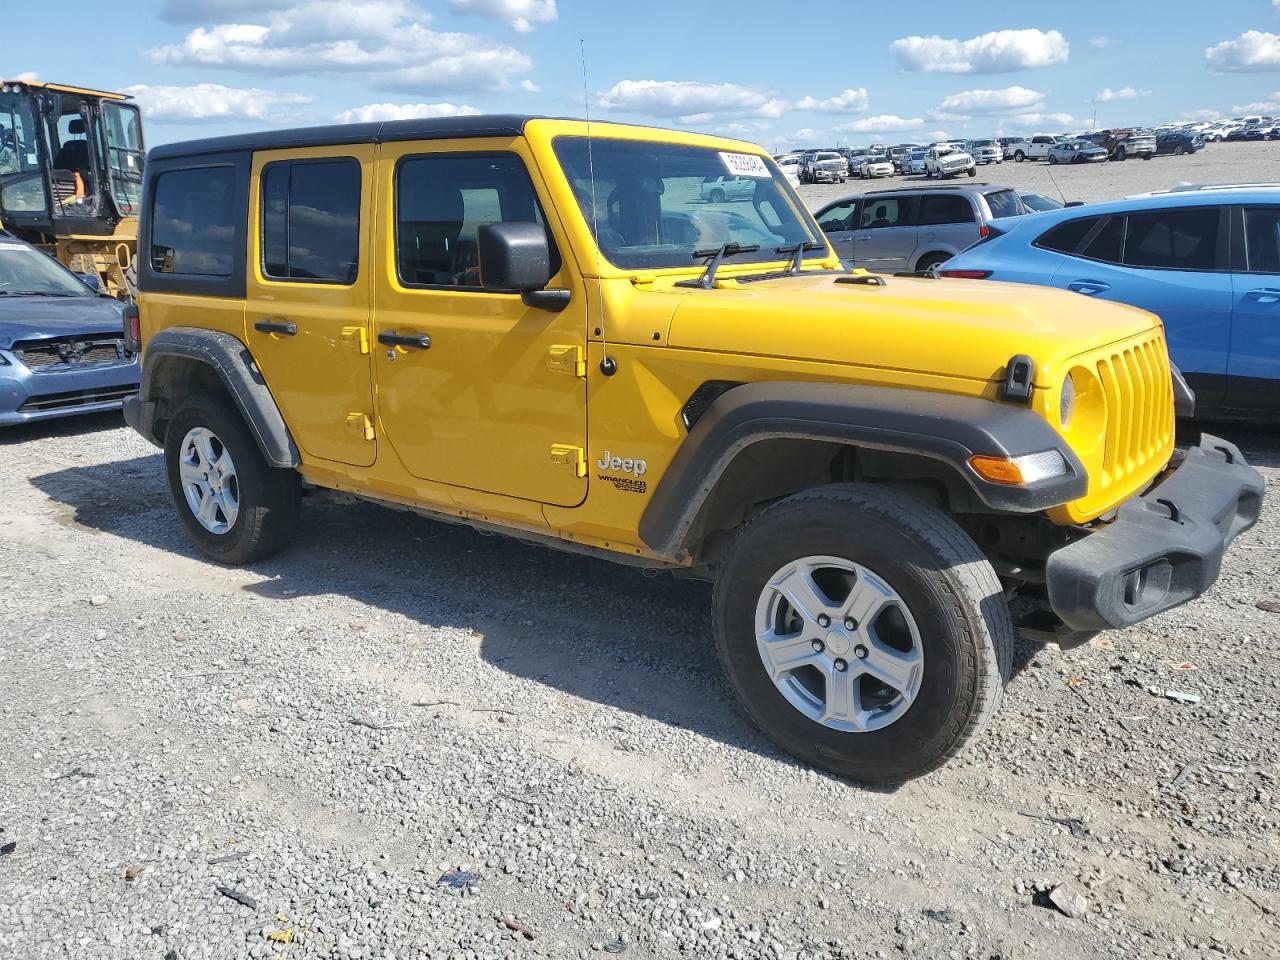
{"x": 931, "y": 260}
{"x": 1121, "y": 155}
{"x": 236, "y": 508}
{"x": 864, "y": 631}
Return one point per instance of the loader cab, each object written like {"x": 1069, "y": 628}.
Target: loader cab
{"x": 70, "y": 161}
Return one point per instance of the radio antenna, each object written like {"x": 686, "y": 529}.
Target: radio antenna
{"x": 1049, "y": 170}
{"x": 608, "y": 366}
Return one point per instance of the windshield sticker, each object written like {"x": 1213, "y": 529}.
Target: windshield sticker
{"x": 745, "y": 165}
{"x": 14, "y": 246}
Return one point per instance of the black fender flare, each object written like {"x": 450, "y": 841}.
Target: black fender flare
{"x": 941, "y": 426}
{"x": 234, "y": 364}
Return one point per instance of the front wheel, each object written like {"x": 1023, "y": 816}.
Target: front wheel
{"x": 1053, "y": 161}
{"x": 1120, "y": 154}
{"x": 236, "y": 507}
{"x": 717, "y": 196}
{"x": 973, "y": 171}
{"x": 1019, "y": 156}
{"x": 864, "y": 631}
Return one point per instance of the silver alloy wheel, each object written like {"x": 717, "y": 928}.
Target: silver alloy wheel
{"x": 839, "y": 644}
{"x": 209, "y": 480}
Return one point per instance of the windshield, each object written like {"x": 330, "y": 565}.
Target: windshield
{"x": 21, "y": 181}
{"x": 984, "y": 143}
{"x": 655, "y": 204}
{"x": 25, "y": 270}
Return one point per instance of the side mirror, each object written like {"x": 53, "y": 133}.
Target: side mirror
{"x": 92, "y": 281}
{"x": 516, "y": 258}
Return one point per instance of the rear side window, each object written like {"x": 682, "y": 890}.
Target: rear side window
{"x": 1262, "y": 239}
{"x": 193, "y": 222}
{"x": 880, "y": 212}
{"x": 1067, "y": 236}
{"x": 1107, "y": 244}
{"x": 1004, "y": 203}
{"x": 942, "y": 208}
{"x": 1184, "y": 239}
{"x": 441, "y": 201}
{"x": 311, "y": 220}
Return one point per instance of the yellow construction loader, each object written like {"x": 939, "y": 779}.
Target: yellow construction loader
{"x": 71, "y": 176}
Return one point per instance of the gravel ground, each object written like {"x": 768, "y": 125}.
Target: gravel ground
{"x": 1217, "y": 163}
{"x": 403, "y": 739}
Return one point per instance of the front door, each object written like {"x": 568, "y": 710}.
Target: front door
{"x": 838, "y": 223}
{"x": 307, "y": 284}
{"x": 1253, "y": 369}
{"x": 886, "y": 236}
{"x": 475, "y": 389}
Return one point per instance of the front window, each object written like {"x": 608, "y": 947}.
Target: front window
{"x": 25, "y": 271}
{"x": 651, "y": 208}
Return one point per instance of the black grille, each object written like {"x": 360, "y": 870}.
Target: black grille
{"x": 64, "y": 353}
{"x": 75, "y": 398}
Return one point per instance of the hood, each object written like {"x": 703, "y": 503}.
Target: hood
{"x": 965, "y": 329}
{"x": 30, "y": 318}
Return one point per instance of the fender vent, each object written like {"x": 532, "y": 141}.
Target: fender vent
{"x": 702, "y": 398}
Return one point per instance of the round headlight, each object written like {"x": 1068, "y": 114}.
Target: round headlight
{"x": 1067, "y": 401}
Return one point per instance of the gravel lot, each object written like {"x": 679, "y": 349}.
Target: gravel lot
{"x": 1217, "y": 163}
{"x": 402, "y": 739}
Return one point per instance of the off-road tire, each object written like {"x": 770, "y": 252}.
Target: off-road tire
{"x": 953, "y": 594}
{"x": 270, "y": 497}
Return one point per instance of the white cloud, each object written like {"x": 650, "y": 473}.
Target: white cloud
{"x": 850, "y": 101}
{"x": 27, "y": 76}
{"x": 689, "y": 101}
{"x": 1101, "y": 43}
{"x": 1193, "y": 116}
{"x": 1270, "y": 105}
{"x": 528, "y": 86}
{"x": 881, "y": 123}
{"x": 991, "y": 101}
{"x": 1000, "y": 51}
{"x": 521, "y": 14}
{"x": 1253, "y": 50}
{"x": 196, "y": 11}
{"x": 1124, "y": 93}
{"x": 389, "y": 41}
{"x": 213, "y": 101}
{"x": 373, "y": 112}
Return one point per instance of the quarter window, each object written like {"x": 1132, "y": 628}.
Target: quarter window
{"x": 1262, "y": 239}
{"x": 442, "y": 200}
{"x": 1004, "y": 203}
{"x": 1067, "y": 236}
{"x": 943, "y": 208}
{"x": 311, "y": 221}
{"x": 1173, "y": 239}
{"x": 192, "y": 222}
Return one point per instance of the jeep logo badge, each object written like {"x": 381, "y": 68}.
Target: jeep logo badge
{"x": 637, "y": 468}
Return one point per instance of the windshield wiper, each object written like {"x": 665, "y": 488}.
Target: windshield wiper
{"x": 798, "y": 250}
{"x": 39, "y": 293}
{"x": 708, "y": 279}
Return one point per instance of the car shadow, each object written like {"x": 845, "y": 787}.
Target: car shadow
{"x": 83, "y": 424}
{"x": 588, "y": 627}
{"x": 1260, "y": 443}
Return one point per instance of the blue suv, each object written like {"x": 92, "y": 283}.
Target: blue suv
{"x": 1205, "y": 259}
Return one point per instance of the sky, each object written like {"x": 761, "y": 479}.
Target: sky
{"x": 769, "y": 72}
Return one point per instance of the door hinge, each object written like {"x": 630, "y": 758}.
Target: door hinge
{"x": 566, "y": 359}
{"x": 357, "y": 338}
{"x": 360, "y": 425}
{"x": 570, "y": 456}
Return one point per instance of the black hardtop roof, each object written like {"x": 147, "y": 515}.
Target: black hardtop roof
{"x": 439, "y": 128}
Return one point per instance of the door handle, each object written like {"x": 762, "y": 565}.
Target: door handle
{"x": 1264, "y": 295}
{"x": 285, "y": 328}
{"x": 419, "y": 341}
{"x": 1088, "y": 287}
{"x": 862, "y": 238}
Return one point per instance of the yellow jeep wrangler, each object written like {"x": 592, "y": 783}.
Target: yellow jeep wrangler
{"x": 559, "y": 331}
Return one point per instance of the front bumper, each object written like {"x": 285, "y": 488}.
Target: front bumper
{"x": 27, "y": 396}
{"x": 1163, "y": 548}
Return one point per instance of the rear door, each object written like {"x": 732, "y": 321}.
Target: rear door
{"x": 1174, "y": 263}
{"x": 947, "y": 223}
{"x": 887, "y": 234}
{"x": 307, "y": 287}
{"x": 1253, "y": 368}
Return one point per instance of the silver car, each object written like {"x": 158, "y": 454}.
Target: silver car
{"x": 986, "y": 151}
{"x": 914, "y": 229}
{"x": 727, "y": 187}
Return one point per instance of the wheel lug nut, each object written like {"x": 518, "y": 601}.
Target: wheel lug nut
{"x": 860, "y": 652}
{"x": 850, "y": 623}
{"x": 841, "y": 666}
{"x": 818, "y": 646}
{"x": 824, "y": 620}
